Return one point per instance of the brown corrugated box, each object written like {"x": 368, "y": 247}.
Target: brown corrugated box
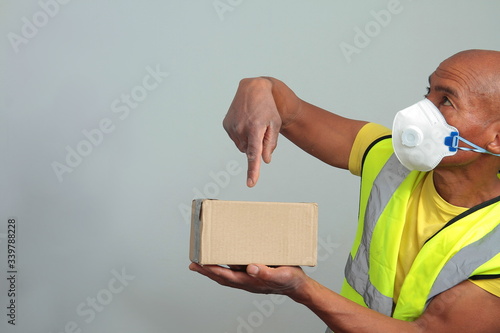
{"x": 243, "y": 232}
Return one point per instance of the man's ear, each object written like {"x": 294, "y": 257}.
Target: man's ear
{"x": 494, "y": 145}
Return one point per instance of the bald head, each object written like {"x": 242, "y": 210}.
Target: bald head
{"x": 466, "y": 88}
{"x": 481, "y": 70}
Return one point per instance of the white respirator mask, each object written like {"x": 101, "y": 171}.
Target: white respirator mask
{"x": 421, "y": 138}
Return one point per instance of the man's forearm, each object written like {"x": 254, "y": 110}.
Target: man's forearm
{"x": 345, "y": 316}
{"x": 319, "y": 132}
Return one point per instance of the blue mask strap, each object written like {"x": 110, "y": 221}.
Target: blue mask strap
{"x": 476, "y": 148}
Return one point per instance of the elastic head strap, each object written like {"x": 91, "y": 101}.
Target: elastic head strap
{"x": 476, "y": 148}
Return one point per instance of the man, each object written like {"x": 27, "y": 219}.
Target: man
{"x": 427, "y": 258}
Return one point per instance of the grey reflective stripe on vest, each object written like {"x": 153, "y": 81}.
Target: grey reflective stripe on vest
{"x": 466, "y": 261}
{"x": 356, "y": 270}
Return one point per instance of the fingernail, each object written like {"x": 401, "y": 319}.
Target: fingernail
{"x": 252, "y": 270}
{"x": 250, "y": 182}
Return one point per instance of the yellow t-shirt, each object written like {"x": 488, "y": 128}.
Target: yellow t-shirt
{"x": 427, "y": 212}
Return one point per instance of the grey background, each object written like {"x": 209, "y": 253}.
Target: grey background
{"x": 123, "y": 209}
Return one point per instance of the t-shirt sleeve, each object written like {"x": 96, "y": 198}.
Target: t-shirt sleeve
{"x": 368, "y": 133}
{"x": 491, "y": 285}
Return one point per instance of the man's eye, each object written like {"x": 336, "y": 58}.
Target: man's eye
{"x": 446, "y": 101}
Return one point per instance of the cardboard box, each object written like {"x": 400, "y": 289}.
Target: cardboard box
{"x": 242, "y": 232}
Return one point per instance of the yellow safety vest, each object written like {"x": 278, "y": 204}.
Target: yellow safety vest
{"x": 467, "y": 247}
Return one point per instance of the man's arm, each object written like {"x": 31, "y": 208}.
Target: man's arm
{"x": 463, "y": 308}
{"x": 264, "y": 107}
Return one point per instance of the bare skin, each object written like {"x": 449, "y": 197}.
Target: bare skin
{"x": 466, "y": 89}
{"x": 467, "y": 178}
{"x": 264, "y": 107}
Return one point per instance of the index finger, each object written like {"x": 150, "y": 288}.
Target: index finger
{"x": 253, "y": 171}
{"x": 254, "y": 153}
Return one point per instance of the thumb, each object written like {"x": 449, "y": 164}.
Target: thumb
{"x": 253, "y": 270}
{"x": 270, "y": 141}
{"x": 263, "y": 272}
